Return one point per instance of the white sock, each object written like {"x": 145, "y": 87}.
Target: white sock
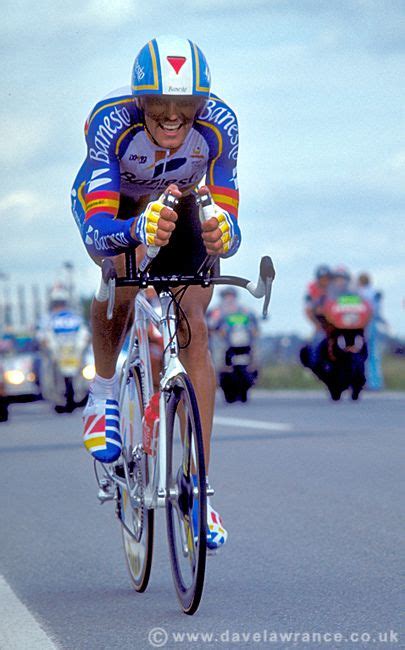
{"x": 102, "y": 388}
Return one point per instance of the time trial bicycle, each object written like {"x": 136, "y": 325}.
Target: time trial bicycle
{"x": 162, "y": 466}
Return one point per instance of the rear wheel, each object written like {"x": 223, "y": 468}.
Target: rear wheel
{"x": 186, "y": 508}
{"x": 136, "y": 520}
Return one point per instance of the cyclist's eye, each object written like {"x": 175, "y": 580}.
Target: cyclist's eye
{"x": 189, "y": 104}
{"x": 155, "y": 104}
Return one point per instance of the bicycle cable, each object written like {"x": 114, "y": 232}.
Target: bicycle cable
{"x": 176, "y": 299}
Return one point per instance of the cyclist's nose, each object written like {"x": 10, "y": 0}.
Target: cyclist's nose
{"x": 172, "y": 112}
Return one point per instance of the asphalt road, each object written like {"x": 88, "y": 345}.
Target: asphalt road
{"x": 309, "y": 491}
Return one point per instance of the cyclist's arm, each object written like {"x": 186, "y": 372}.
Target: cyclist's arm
{"x": 219, "y": 125}
{"x": 102, "y": 232}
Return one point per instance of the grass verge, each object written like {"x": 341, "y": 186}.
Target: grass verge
{"x": 282, "y": 376}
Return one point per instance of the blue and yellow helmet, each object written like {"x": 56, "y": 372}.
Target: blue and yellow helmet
{"x": 169, "y": 65}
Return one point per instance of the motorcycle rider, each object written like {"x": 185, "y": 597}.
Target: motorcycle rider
{"x": 316, "y": 294}
{"x": 234, "y": 331}
{"x": 229, "y": 304}
{"x": 60, "y": 321}
{"x": 341, "y": 282}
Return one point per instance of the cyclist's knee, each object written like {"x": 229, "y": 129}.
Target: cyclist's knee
{"x": 198, "y": 330}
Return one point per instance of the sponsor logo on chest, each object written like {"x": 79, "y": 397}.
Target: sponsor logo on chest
{"x": 154, "y": 168}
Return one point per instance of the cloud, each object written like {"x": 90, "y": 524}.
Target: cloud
{"x": 21, "y": 204}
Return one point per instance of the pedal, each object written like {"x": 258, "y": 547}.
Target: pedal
{"x": 106, "y": 491}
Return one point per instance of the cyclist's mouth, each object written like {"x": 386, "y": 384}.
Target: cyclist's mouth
{"x": 171, "y": 128}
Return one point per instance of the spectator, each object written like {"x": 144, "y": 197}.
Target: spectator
{"x": 374, "y": 375}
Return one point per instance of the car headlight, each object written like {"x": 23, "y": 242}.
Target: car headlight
{"x": 89, "y": 371}
{"x": 15, "y": 377}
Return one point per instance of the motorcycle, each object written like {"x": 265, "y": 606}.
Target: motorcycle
{"x": 65, "y": 366}
{"x": 238, "y": 374}
{"x": 339, "y": 359}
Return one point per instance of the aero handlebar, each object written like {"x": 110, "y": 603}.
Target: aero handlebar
{"x": 204, "y": 276}
{"x": 109, "y": 282}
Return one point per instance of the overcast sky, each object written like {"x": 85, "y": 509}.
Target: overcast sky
{"x": 318, "y": 87}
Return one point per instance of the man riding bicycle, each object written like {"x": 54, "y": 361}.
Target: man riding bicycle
{"x": 166, "y": 133}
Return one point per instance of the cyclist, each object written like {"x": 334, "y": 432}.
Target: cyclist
{"x": 167, "y": 132}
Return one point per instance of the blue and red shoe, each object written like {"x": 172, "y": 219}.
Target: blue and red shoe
{"x": 101, "y": 437}
{"x": 216, "y": 533}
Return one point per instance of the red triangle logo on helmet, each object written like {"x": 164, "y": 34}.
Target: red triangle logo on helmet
{"x": 177, "y": 62}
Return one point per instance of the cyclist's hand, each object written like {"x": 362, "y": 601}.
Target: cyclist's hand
{"x": 218, "y": 233}
{"x": 156, "y": 224}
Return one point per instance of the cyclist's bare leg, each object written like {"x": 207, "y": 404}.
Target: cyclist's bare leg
{"x": 196, "y": 358}
{"x": 109, "y": 335}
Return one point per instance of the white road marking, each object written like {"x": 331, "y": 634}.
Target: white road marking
{"x": 252, "y": 424}
{"x": 18, "y": 628}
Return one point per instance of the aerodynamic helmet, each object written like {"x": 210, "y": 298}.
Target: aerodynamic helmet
{"x": 169, "y": 65}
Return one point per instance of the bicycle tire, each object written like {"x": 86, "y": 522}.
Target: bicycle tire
{"x": 190, "y": 550}
{"x": 138, "y": 544}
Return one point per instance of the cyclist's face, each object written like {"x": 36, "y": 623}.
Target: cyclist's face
{"x": 169, "y": 119}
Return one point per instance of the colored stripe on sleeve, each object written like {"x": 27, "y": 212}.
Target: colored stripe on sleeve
{"x": 102, "y": 201}
{"x": 226, "y": 198}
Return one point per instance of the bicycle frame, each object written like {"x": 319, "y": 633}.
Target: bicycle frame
{"x": 155, "y": 492}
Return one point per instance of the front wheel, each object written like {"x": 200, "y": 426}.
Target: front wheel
{"x": 136, "y": 520}
{"x": 186, "y": 507}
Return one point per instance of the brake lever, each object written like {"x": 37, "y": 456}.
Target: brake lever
{"x": 267, "y": 274}
{"x": 268, "y": 283}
